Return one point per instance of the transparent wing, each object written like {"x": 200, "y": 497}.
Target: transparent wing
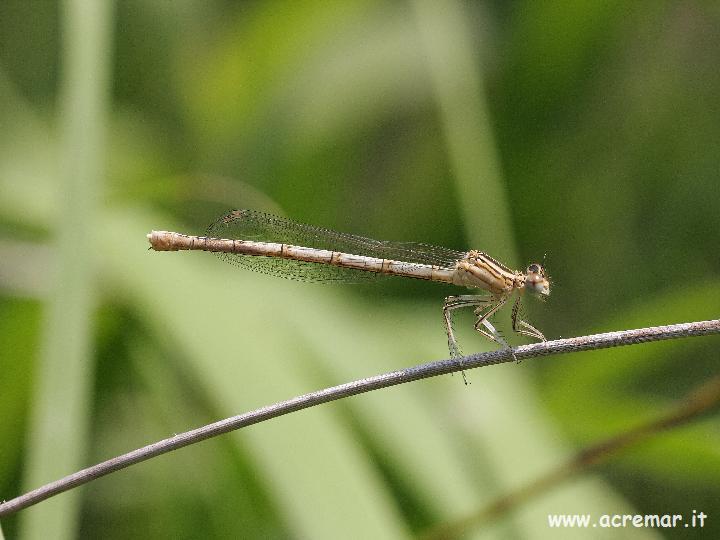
{"x": 262, "y": 227}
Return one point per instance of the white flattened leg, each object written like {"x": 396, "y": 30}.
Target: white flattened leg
{"x": 491, "y": 332}
{"x": 524, "y": 327}
{"x": 451, "y": 304}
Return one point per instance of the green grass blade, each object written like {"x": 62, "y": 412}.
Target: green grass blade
{"x": 59, "y": 422}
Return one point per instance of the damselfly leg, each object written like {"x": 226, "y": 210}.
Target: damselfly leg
{"x": 523, "y": 327}
{"x": 485, "y": 307}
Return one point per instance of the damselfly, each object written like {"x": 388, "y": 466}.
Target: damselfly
{"x": 281, "y": 247}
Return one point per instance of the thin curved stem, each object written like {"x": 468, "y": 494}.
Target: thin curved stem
{"x": 423, "y": 371}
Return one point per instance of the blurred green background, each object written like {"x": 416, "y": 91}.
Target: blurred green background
{"x": 589, "y": 131}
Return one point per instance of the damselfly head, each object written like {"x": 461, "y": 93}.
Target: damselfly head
{"x": 536, "y": 281}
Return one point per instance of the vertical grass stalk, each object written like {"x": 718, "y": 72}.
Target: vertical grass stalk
{"x": 58, "y": 435}
{"x": 454, "y": 68}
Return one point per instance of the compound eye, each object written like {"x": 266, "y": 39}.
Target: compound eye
{"x": 534, "y": 268}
